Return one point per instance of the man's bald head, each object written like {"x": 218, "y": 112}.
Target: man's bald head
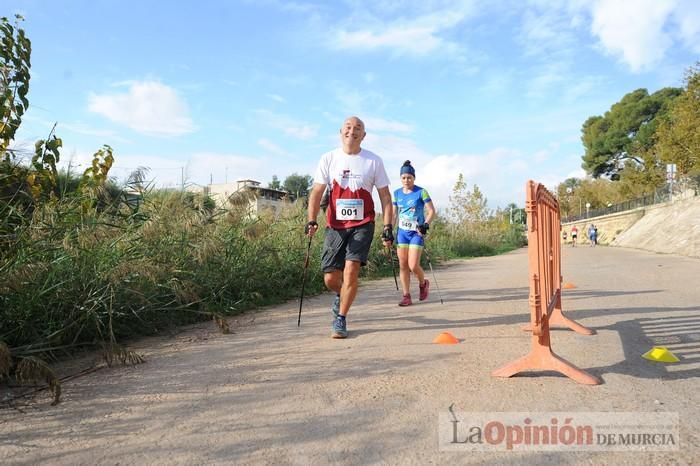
{"x": 351, "y": 134}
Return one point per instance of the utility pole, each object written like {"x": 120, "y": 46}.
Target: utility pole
{"x": 182, "y": 178}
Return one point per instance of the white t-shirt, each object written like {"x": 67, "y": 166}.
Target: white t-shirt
{"x": 351, "y": 179}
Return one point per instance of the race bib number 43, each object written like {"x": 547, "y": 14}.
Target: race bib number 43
{"x": 349, "y": 209}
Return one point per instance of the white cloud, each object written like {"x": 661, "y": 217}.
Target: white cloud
{"x": 222, "y": 167}
{"x": 638, "y": 33}
{"x": 82, "y": 128}
{"x": 687, "y": 15}
{"x": 394, "y": 150}
{"x": 272, "y": 148}
{"x": 380, "y": 124}
{"x": 148, "y": 107}
{"x": 549, "y": 28}
{"x": 79, "y": 127}
{"x": 500, "y": 173}
{"x": 277, "y": 98}
{"x": 582, "y": 86}
{"x": 288, "y": 125}
{"x": 287, "y": 5}
{"x": 492, "y": 171}
{"x": 402, "y": 39}
{"x": 497, "y": 83}
{"x": 633, "y": 30}
{"x": 541, "y": 156}
{"x": 416, "y": 36}
{"x": 162, "y": 170}
{"x": 545, "y": 31}
{"x": 357, "y": 102}
{"x": 545, "y": 78}
{"x": 579, "y": 173}
{"x": 167, "y": 171}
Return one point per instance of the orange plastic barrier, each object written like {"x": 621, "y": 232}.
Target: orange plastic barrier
{"x": 544, "y": 251}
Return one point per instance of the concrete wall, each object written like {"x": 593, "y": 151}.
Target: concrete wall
{"x": 220, "y": 192}
{"x": 609, "y": 226}
{"x": 670, "y": 228}
{"x": 258, "y": 201}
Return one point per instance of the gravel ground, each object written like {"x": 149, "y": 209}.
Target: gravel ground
{"x": 272, "y": 393}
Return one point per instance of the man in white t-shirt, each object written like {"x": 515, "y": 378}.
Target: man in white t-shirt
{"x": 350, "y": 173}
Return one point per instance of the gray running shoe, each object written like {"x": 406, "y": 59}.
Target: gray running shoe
{"x": 340, "y": 329}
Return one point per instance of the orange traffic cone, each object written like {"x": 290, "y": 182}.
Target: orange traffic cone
{"x": 445, "y": 338}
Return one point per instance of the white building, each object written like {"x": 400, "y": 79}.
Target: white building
{"x": 259, "y": 198}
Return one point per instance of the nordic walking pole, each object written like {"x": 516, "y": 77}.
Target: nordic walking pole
{"x": 393, "y": 269}
{"x": 303, "y": 281}
{"x": 427, "y": 256}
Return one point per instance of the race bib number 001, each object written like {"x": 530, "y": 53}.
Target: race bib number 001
{"x": 408, "y": 223}
{"x": 349, "y": 209}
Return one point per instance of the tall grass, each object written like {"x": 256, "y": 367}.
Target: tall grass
{"x": 94, "y": 269}
{"x": 74, "y": 277}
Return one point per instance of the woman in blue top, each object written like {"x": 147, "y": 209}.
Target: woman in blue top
{"x": 413, "y": 212}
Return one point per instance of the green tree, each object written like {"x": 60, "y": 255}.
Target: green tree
{"x": 574, "y": 194}
{"x": 678, "y": 135}
{"x": 638, "y": 181}
{"x": 568, "y": 194}
{"x": 514, "y": 214}
{"x": 467, "y": 206}
{"x": 39, "y": 179}
{"x": 625, "y": 132}
{"x": 15, "y": 53}
{"x": 275, "y": 183}
{"x": 298, "y": 185}
{"x": 458, "y": 199}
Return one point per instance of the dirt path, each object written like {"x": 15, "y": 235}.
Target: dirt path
{"x": 271, "y": 393}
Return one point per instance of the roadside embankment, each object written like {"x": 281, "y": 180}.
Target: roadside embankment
{"x": 669, "y": 228}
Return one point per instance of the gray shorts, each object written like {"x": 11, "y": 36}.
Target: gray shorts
{"x": 346, "y": 245}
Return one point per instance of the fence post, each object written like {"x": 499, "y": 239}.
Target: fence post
{"x": 544, "y": 272}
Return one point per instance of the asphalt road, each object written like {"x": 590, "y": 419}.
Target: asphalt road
{"x": 272, "y": 393}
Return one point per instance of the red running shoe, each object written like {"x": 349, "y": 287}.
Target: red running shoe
{"x": 424, "y": 290}
{"x": 406, "y": 301}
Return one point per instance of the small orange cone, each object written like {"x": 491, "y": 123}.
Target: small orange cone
{"x": 568, "y": 286}
{"x": 445, "y": 338}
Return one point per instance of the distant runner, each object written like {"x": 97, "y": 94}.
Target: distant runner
{"x": 413, "y": 210}
{"x": 593, "y": 234}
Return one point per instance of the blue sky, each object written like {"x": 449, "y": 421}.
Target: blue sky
{"x": 496, "y": 90}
